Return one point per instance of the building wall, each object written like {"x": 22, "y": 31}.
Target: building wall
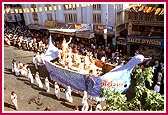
{"x": 84, "y": 14}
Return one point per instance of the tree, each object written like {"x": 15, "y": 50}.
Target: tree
{"x": 144, "y": 100}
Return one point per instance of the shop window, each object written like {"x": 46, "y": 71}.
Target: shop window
{"x": 34, "y": 13}
{"x": 49, "y": 16}
{"x": 70, "y": 18}
{"x": 96, "y": 18}
{"x": 96, "y": 6}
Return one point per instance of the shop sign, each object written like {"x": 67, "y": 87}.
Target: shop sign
{"x": 100, "y": 27}
{"x": 83, "y": 27}
{"x": 50, "y": 23}
{"x": 157, "y": 42}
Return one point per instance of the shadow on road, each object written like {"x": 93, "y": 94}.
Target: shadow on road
{"x": 9, "y": 105}
{"x": 8, "y": 71}
{"x": 68, "y": 105}
{"x": 48, "y": 95}
{"x": 22, "y": 79}
{"x": 37, "y": 88}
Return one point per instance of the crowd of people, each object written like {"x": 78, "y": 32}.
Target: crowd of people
{"x": 25, "y": 39}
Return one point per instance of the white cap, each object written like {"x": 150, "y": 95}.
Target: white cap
{"x": 69, "y": 87}
{"x": 158, "y": 82}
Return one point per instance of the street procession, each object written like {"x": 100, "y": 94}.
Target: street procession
{"x": 83, "y": 57}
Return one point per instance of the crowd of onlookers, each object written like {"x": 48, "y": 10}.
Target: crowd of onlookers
{"x": 22, "y": 38}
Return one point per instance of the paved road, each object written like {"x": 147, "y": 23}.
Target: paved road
{"x": 30, "y": 97}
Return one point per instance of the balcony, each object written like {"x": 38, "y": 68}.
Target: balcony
{"x": 149, "y": 19}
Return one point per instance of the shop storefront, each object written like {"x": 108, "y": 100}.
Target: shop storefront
{"x": 148, "y": 46}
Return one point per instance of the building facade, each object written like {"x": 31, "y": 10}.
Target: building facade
{"x": 112, "y": 24}
{"x": 100, "y": 16}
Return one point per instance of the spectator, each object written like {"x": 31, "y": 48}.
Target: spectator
{"x": 76, "y": 108}
{"x": 47, "y": 108}
{"x": 98, "y": 106}
{"x": 157, "y": 87}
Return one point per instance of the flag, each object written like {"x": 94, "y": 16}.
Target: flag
{"x": 153, "y": 9}
{"x": 157, "y": 11}
{"x": 149, "y": 9}
{"x": 145, "y": 9}
{"x": 32, "y": 10}
{"x": 162, "y": 12}
{"x": 66, "y": 6}
{"x": 55, "y": 7}
{"x": 16, "y": 10}
{"x": 45, "y": 8}
{"x": 141, "y": 8}
{"x": 50, "y": 8}
{"x": 11, "y": 10}
{"x": 40, "y": 9}
{"x": 59, "y": 7}
{"x": 20, "y": 10}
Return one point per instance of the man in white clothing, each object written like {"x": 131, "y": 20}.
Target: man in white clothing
{"x": 38, "y": 81}
{"x": 47, "y": 84}
{"x": 84, "y": 102}
{"x": 14, "y": 99}
{"x": 30, "y": 76}
{"x": 57, "y": 91}
{"x": 65, "y": 49}
{"x": 68, "y": 94}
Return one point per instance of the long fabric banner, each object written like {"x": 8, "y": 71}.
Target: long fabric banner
{"x": 118, "y": 78}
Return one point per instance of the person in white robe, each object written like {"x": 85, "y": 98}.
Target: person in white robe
{"x": 68, "y": 94}
{"x": 98, "y": 106}
{"x": 47, "y": 84}
{"x": 159, "y": 76}
{"x": 30, "y": 76}
{"x": 23, "y": 71}
{"x": 35, "y": 62}
{"x": 157, "y": 87}
{"x": 85, "y": 106}
{"x": 14, "y": 99}
{"x": 42, "y": 58}
{"x": 38, "y": 80}
{"x": 15, "y": 69}
{"x": 13, "y": 65}
{"x": 57, "y": 90}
